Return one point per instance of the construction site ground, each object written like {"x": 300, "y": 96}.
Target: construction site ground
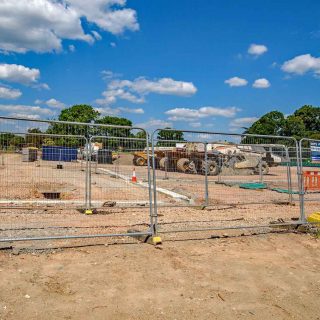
{"x": 214, "y": 274}
{"x": 258, "y": 277}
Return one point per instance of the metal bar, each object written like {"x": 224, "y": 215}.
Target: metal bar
{"x": 229, "y": 134}
{"x": 149, "y": 184}
{"x": 206, "y": 175}
{"x": 108, "y": 235}
{"x": 71, "y": 122}
{"x": 300, "y": 180}
{"x": 232, "y": 228}
{"x": 155, "y": 203}
{"x": 87, "y": 182}
{"x": 46, "y": 135}
{"x": 289, "y": 175}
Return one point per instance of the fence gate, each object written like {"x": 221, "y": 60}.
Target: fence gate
{"x": 241, "y": 180}
{"x": 51, "y": 171}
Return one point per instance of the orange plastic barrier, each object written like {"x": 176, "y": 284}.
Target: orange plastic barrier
{"x": 311, "y": 180}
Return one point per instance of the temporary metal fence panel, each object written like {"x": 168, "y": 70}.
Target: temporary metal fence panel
{"x": 179, "y": 172}
{"x": 242, "y": 180}
{"x": 310, "y": 173}
{"x": 45, "y": 176}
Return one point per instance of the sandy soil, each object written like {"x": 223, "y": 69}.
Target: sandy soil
{"x": 273, "y": 276}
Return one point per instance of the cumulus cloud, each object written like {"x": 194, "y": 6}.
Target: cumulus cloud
{"x": 108, "y": 74}
{"x": 261, "y": 83}
{"x": 53, "y": 103}
{"x": 18, "y": 73}
{"x": 236, "y": 82}
{"x": 155, "y": 124}
{"x": 302, "y": 64}
{"x": 257, "y": 49}
{"x": 136, "y": 90}
{"x": 41, "y": 25}
{"x": 242, "y": 122}
{"x": 25, "y": 111}
{"x": 195, "y": 124}
{"x": 117, "y": 111}
{"x": 187, "y": 114}
{"x": 96, "y": 35}
{"x": 106, "y": 14}
{"x": 8, "y": 93}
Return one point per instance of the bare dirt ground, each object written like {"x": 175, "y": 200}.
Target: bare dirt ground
{"x": 270, "y": 276}
{"x": 190, "y": 276}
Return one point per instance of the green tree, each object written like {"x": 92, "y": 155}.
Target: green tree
{"x": 78, "y": 113}
{"x": 310, "y": 116}
{"x": 269, "y": 124}
{"x": 117, "y": 137}
{"x": 5, "y": 140}
{"x": 34, "y": 138}
{"x": 294, "y": 126}
{"x": 169, "y": 137}
{"x": 17, "y": 142}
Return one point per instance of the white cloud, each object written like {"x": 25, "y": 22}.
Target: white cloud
{"x": 242, "y": 122}
{"x": 25, "y": 115}
{"x": 107, "y": 14}
{"x": 135, "y": 91}
{"x": 117, "y": 111}
{"x": 41, "y": 25}
{"x": 8, "y": 93}
{"x": 187, "y": 114}
{"x": 96, "y": 35}
{"x": 18, "y": 73}
{"x": 113, "y": 44}
{"x": 257, "y": 49}
{"x": 195, "y": 124}
{"x": 108, "y": 74}
{"x": 236, "y": 82}
{"x": 302, "y": 64}
{"x": 53, "y": 103}
{"x": 30, "y": 111}
{"x": 261, "y": 83}
{"x": 154, "y": 124}
{"x": 129, "y": 110}
{"x": 72, "y": 48}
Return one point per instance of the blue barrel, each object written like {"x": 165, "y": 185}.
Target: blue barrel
{"x": 57, "y": 153}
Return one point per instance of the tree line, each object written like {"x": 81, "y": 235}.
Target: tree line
{"x": 62, "y": 134}
{"x": 303, "y": 123}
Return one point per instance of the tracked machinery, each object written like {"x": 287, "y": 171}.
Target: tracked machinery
{"x": 228, "y": 159}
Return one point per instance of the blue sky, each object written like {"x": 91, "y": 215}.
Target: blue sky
{"x": 205, "y": 64}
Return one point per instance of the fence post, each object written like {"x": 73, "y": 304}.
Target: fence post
{"x": 289, "y": 175}
{"x": 300, "y": 180}
{"x": 155, "y": 204}
{"x": 152, "y": 228}
{"x": 87, "y": 205}
{"x": 206, "y": 174}
{"x": 260, "y": 169}
{"x": 89, "y": 173}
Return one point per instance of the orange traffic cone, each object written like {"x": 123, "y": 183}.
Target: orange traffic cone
{"x": 134, "y": 178}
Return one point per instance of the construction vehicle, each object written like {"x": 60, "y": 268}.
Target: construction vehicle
{"x": 228, "y": 159}
{"x": 140, "y": 157}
